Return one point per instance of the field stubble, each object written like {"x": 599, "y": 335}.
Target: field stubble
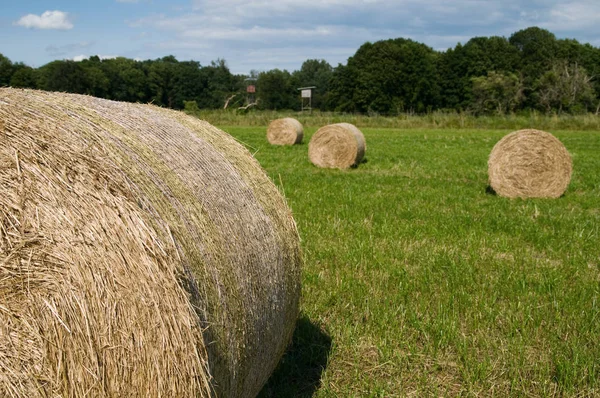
{"x": 418, "y": 281}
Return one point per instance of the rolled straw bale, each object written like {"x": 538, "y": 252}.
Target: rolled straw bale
{"x": 529, "y": 164}
{"x": 339, "y": 145}
{"x": 142, "y": 253}
{"x": 285, "y": 131}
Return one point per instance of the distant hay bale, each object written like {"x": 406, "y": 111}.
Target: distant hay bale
{"x": 286, "y": 131}
{"x": 142, "y": 253}
{"x": 529, "y": 164}
{"x": 339, "y": 145}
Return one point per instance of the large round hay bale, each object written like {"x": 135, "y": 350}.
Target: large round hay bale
{"x": 142, "y": 253}
{"x": 339, "y": 145}
{"x": 529, "y": 164}
{"x": 285, "y": 131}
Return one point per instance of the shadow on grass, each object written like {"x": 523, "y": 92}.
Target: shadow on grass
{"x": 355, "y": 165}
{"x": 299, "y": 371}
{"x": 490, "y": 191}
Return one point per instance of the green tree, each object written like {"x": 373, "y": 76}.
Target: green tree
{"x": 187, "y": 83}
{"x": 566, "y": 87}
{"x": 341, "y": 90}
{"x": 479, "y": 55}
{"x": 127, "y": 80}
{"x": 97, "y": 83}
{"x": 6, "y": 70}
{"x": 454, "y": 83}
{"x": 499, "y": 92}
{"x": 275, "y": 90}
{"x": 220, "y": 84}
{"x": 161, "y": 80}
{"x": 585, "y": 55}
{"x": 317, "y": 73}
{"x": 395, "y": 75}
{"x": 537, "y": 50}
{"x": 24, "y": 76}
{"x": 66, "y": 75}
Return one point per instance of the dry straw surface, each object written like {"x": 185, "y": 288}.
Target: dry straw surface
{"x": 529, "y": 164}
{"x": 142, "y": 253}
{"x": 339, "y": 145}
{"x": 285, "y": 131}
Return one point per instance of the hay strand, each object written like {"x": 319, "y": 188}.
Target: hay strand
{"x": 143, "y": 253}
{"x": 339, "y": 145}
{"x": 529, "y": 164}
{"x": 285, "y": 131}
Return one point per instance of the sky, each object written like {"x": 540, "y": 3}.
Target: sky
{"x": 267, "y": 34}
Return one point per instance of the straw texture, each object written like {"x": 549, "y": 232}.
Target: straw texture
{"x": 142, "y": 253}
{"x": 529, "y": 164}
{"x": 285, "y": 131}
{"x": 339, "y": 145}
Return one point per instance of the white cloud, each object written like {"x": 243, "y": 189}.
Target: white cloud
{"x": 48, "y": 20}
{"x": 574, "y": 16}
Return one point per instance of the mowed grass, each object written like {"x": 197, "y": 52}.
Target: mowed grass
{"x": 419, "y": 282}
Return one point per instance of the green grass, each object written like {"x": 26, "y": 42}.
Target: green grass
{"x": 419, "y": 282}
{"x": 432, "y": 120}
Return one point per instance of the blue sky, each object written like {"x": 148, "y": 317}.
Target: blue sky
{"x": 268, "y": 34}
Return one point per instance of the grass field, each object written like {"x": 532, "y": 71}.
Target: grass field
{"x": 419, "y": 282}
{"x": 431, "y": 120}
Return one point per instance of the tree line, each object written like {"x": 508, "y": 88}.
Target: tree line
{"x": 531, "y": 69}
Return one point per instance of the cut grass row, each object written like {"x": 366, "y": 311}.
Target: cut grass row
{"x": 419, "y": 282}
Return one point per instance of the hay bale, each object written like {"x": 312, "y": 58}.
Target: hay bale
{"x": 286, "y": 131}
{"x": 339, "y": 145}
{"x": 529, "y": 164}
{"x": 142, "y": 253}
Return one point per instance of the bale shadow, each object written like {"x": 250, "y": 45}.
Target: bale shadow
{"x": 490, "y": 191}
{"x": 299, "y": 371}
{"x": 355, "y": 165}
